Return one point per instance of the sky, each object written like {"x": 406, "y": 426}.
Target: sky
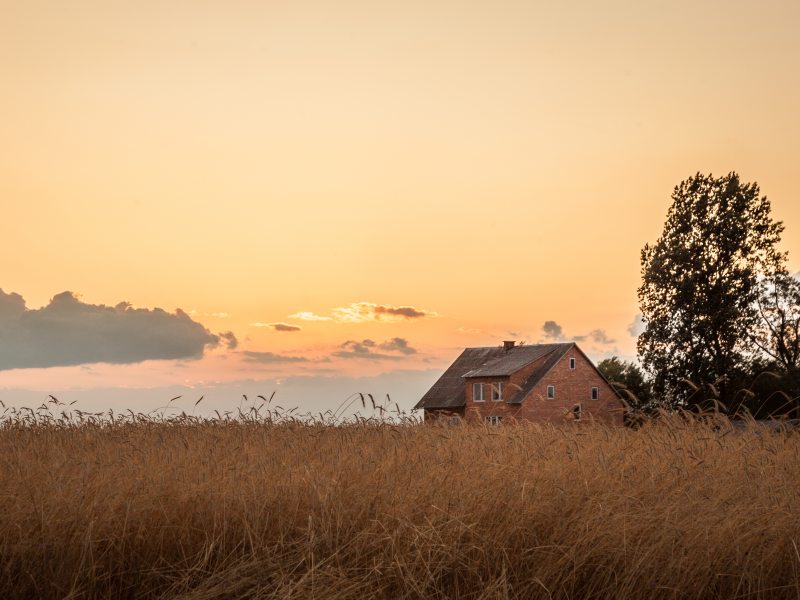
{"x": 318, "y": 197}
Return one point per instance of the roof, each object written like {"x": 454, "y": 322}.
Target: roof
{"x": 554, "y": 356}
{"x": 449, "y": 390}
{"x": 505, "y": 362}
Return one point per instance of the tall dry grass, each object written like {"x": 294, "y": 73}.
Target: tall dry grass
{"x": 249, "y": 509}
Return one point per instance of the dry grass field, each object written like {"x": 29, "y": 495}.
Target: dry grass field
{"x": 247, "y": 508}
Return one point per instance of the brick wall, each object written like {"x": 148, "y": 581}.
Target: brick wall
{"x": 573, "y": 386}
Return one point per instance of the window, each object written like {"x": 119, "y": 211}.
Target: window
{"x": 477, "y": 392}
{"x": 595, "y": 392}
{"x": 497, "y": 391}
{"x": 551, "y": 392}
{"x": 576, "y": 412}
{"x": 572, "y": 364}
{"x": 493, "y": 420}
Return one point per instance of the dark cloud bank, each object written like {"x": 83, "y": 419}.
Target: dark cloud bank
{"x": 70, "y": 332}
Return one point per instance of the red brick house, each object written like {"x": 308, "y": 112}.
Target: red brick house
{"x": 553, "y": 383}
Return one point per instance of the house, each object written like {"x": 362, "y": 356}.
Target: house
{"x": 553, "y": 383}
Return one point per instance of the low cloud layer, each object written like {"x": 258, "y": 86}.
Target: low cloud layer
{"x": 309, "y": 316}
{"x": 362, "y": 312}
{"x": 407, "y": 312}
{"x": 553, "y": 332}
{"x": 69, "y": 332}
{"x": 265, "y": 358}
{"x": 601, "y": 337}
{"x": 397, "y": 345}
{"x": 285, "y": 327}
{"x": 393, "y": 349}
{"x": 282, "y": 327}
{"x": 598, "y": 336}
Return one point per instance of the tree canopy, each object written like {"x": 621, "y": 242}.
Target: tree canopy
{"x": 628, "y": 379}
{"x": 701, "y": 284}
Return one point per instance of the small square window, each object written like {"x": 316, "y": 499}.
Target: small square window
{"x": 572, "y": 364}
{"x": 595, "y": 392}
{"x": 576, "y": 412}
{"x": 493, "y": 420}
{"x": 477, "y": 392}
{"x": 551, "y": 392}
{"x": 497, "y": 391}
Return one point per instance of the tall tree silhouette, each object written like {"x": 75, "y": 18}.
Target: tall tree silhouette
{"x": 700, "y": 286}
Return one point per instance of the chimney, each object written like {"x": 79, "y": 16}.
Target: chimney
{"x": 508, "y": 345}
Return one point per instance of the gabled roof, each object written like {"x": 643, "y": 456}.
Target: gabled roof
{"x": 450, "y": 392}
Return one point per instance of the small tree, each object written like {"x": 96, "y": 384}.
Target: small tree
{"x": 628, "y": 379}
{"x": 700, "y": 286}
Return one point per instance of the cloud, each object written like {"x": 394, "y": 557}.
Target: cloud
{"x": 398, "y": 345}
{"x": 552, "y": 330}
{"x": 285, "y": 327}
{"x": 357, "y": 348}
{"x": 277, "y": 326}
{"x": 359, "y": 312}
{"x": 362, "y": 312}
{"x": 408, "y": 312}
{"x": 366, "y": 349}
{"x": 270, "y": 357}
{"x": 230, "y": 340}
{"x": 637, "y": 326}
{"x": 70, "y": 332}
{"x": 601, "y": 337}
{"x": 309, "y": 316}
{"x": 12, "y": 306}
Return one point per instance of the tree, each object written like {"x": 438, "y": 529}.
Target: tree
{"x": 628, "y": 379}
{"x": 700, "y": 286}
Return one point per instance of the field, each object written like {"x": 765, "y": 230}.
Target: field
{"x": 252, "y": 508}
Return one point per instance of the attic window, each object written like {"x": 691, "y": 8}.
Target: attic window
{"x": 477, "y": 392}
{"x": 497, "y": 391}
{"x": 595, "y": 392}
{"x": 551, "y": 392}
{"x": 572, "y": 363}
{"x": 493, "y": 420}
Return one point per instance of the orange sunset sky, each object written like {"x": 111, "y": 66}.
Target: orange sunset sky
{"x": 351, "y": 190}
